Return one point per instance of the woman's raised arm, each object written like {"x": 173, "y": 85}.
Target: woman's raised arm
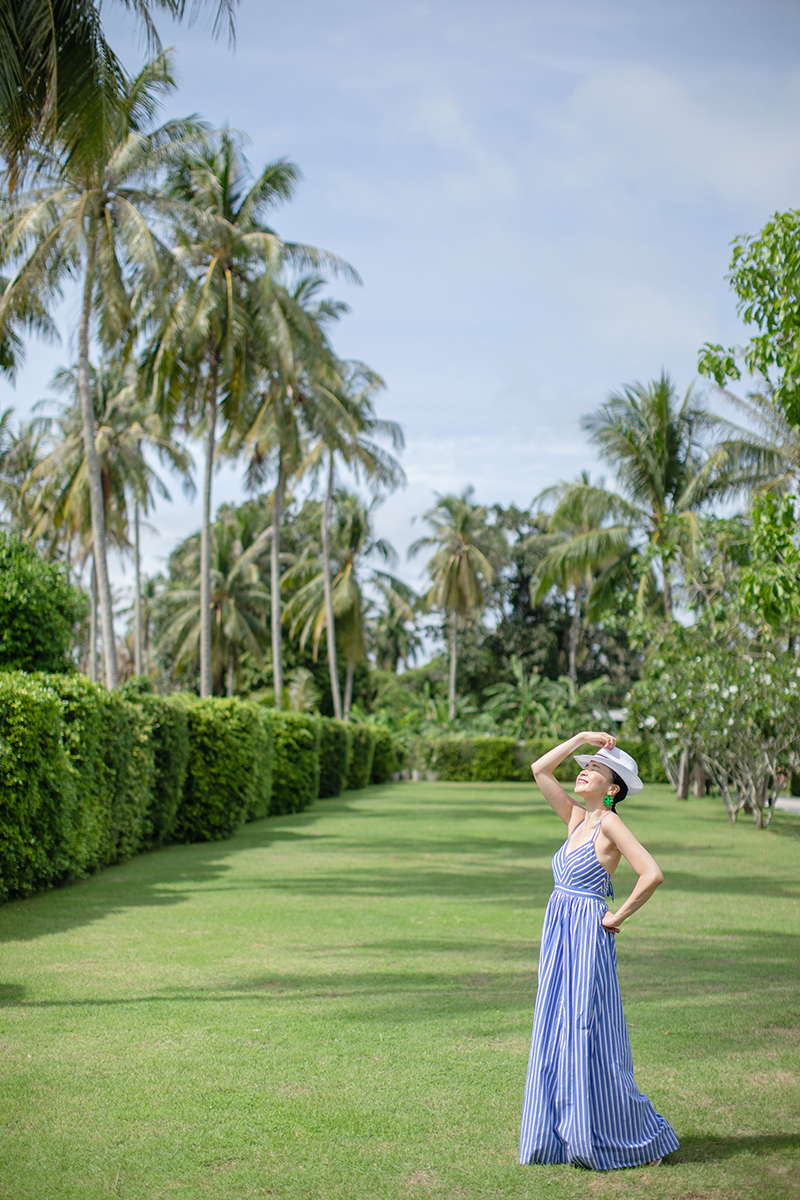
{"x": 560, "y": 801}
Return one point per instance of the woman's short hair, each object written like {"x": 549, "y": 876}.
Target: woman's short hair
{"x": 621, "y": 784}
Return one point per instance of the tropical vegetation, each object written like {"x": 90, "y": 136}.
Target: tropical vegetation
{"x": 200, "y": 325}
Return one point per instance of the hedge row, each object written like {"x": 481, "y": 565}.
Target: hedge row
{"x": 498, "y": 759}
{"x": 90, "y": 777}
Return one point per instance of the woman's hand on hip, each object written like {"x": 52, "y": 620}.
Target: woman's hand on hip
{"x": 610, "y": 922}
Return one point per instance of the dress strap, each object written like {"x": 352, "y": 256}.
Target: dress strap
{"x": 569, "y": 835}
{"x": 597, "y": 826}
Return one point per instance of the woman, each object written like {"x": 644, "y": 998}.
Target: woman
{"x": 581, "y": 1103}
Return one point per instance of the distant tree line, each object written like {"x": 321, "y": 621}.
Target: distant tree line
{"x": 199, "y": 324}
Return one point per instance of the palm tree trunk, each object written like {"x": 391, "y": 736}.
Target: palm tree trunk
{"x": 137, "y": 599}
{"x": 230, "y": 674}
{"x": 667, "y": 596}
{"x": 453, "y": 660}
{"x": 348, "y": 687}
{"x": 93, "y": 628}
{"x": 574, "y": 636}
{"x": 206, "y": 683}
{"x": 93, "y": 470}
{"x": 275, "y": 584}
{"x": 326, "y": 577}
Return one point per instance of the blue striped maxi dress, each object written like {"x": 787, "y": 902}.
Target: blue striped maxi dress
{"x": 581, "y": 1103}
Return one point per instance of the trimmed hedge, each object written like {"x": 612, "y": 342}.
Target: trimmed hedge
{"x": 384, "y": 759}
{"x": 297, "y": 760}
{"x": 108, "y": 740}
{"x": 262, "y": 792}
{"x": 360, "y": 768}
{"x": 336, "y": 747}
{"x": 169, "y": 735}
{"x": 88, "y": 777}
{"x": 223, "y": 777}
{"x": 498, "y": 759}
{"x": 41, "y": 814}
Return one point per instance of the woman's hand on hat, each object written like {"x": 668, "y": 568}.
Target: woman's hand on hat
{"x": 606, "y": 740}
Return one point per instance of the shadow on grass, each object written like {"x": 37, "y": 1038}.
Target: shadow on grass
{"x": 168, "y": 876}
{"x": 404, "y": 979}
{"x": 710, "y": 1148}
{"x": 163, "y": 877}
{"x": 482, "y": 867}
{"x": 401, "y": 996}
{"x": 786, "y": 825}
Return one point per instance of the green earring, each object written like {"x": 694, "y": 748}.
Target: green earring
{"x": 609, "y": 800}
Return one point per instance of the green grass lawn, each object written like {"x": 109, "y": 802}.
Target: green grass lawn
{"x": 338, "y": 1005}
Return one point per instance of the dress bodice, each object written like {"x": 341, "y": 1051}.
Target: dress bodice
{"x": 580, "y": 869}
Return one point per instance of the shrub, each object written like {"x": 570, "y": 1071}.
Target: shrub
{"x": 128, "y": 757}
{"x": 297, "y": 760}
{"x": 168, "y": 724}
{"x": 40, "y": 810}
{"x": 450, "y": 758}
{"x": 565, "y": 772}
{"x": 38, "y": 610}
{"x": 497, "y": 759}
{"x": 336, "y": 745}
{"x": 82, "y": 704}
{"x": 360, "y": 768}
{"x": 108, "y": 741}
{"x": 225, "y": 740}
{"x": 384, "y": 759}
{"x": 264, "y": 782}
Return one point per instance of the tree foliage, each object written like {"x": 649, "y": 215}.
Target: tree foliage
{"x": 765, "y": 276}
{"x": 708, "y": 690}
{"x": 39, "y": 611}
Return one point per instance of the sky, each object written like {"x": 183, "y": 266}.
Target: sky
{"x": 539, "y": 197}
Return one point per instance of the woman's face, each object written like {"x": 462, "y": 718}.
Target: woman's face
{"x": 595, "y": 780}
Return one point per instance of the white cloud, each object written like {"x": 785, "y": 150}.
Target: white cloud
{"x": 738, "y": 138}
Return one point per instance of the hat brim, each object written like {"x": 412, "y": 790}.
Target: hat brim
{"x": 632, "y": 782}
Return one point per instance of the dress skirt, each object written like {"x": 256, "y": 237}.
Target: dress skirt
{"x": 581, "y": 1103}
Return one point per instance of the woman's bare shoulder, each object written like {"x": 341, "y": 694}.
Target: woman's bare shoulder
{"x": 616, "y": 830}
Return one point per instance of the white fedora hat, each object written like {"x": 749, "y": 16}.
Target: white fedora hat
{"x": 618, "y": 761}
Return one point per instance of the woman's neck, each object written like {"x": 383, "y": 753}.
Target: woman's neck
{"x": 594, "y": 806}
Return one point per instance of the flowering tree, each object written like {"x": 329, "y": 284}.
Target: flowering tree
{"x": 710, "y": 691}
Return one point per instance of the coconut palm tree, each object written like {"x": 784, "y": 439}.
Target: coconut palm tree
{"x": 232, "y": 320}
{"x": 20, "y": 452}
{"x": 125, "y": 428}
{"x": 394, "y": 635}
{"x": 460, "y": 568}
{"x": 343, "y": 417}
{"x": 352, "y": 541}
{"x": 764, "y": 453}
{"x": 300, "y": 373}
{"x": 55, "y": 65}
{"x": 668, "y": 470}
{"x": 92, "y": 212}
{"x": 239, "y": 600}
{"x": 592, "y": 575}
